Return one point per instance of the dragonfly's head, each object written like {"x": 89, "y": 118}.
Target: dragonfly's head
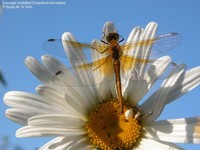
{"x": 112, "y": 37}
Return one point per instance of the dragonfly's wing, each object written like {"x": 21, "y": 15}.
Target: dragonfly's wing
{"x": 129, "y": 63}
{"x": 59, "y": 46}
{"x": 99, "y": 46}
{"x": 153, "y": 70}
{"x": 158, "y": 44}
{"x": 95, "y": 45}
{"x": 97, "y": 72}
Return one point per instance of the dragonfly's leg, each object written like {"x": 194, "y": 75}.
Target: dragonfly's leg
{"x": 121, "y": 39}
{"x": 102, "y": 63}
{"x": 104, "y": 51}
{"x": 100, "y": 51}
{"x": 103, "y": 42}
{"x": 102, "y": 39}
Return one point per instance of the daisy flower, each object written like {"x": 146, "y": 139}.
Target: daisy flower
{"x": 88, "y": 117}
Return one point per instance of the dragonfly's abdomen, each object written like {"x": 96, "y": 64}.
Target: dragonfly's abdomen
{"x": 116, "y": 65}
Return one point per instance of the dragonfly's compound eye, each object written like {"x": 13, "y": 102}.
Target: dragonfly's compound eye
{"x": 112, "y": 36}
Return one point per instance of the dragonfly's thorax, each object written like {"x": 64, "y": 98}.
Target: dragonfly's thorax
{"x": 115, "y": 52}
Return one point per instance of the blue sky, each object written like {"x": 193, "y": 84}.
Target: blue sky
{"x": 22, "y": 32}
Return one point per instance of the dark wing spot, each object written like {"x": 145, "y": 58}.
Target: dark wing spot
{"x": 59, "y": 72}
{"x": 51, "y": 40}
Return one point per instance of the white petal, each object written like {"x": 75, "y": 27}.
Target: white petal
{"x": 19, "y": 116}
{"x": 186, "y": 82}
{"x": 68, "y": 143}
{"x": 76, "y": 56}
{"x": 56, "y": 120}
{"x": 78, "y": 107}
{"x": 85, "y": 95}
{"x": 74, "y": 52}
{"x": 103, "y": 63}
{"x": 127, "y": 84}
{"x": 142, "y": 52}
{"x": 140, "y": 88}
{"x": 69, "y": 76}
{"x": 107, "y": 91}
{"x": 26, "y": 105}
{"x": 71, "y": 100}
{"x": 88, "y": 147}
{"x": 157, "y": 68}
{"x": 154, "y": 105}
{"x": 135, "y": 34}
{"x": 32, "y": 131}
{"x": 83, "y": 144}
{"x": 133, "y": 85}
{"x": 27, "y": 101}
{"x": 79, "y": 100}
{"x": 185, "y": 130}
{"x": 38, "y": 70}
{"x": 21, "y": 94}
{"x": 108, "y": 27}
{"x": 104, "y": 83}
{"x": 136, "y": 89}
{"x": 54, "y": 97}
{"x": 60, "y": 99}
{"x": 57, "y": 142}
{"x": 150, "y": 144}
{"x": 52, "y": 64}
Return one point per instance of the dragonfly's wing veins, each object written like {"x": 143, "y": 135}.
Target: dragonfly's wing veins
{"x": 159, "y": 44}
{"x": 76, "y": 51}
{"x": 165, "y": 43}
{"x": 154, "y": 69}
{"x": 95, "y": 73}
{"x": 92, "y": 64}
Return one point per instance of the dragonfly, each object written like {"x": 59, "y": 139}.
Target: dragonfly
{"x": 114, "y": 58}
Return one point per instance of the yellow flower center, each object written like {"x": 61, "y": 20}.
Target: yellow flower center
{"x": 109, "y": 129}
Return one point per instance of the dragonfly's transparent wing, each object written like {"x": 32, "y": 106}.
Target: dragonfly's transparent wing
{"x": 154, "y": 69}
{"x": 159, "y": 44}
{"x": 165, "y": 42}
{"x": 95, "y": 73}
{"x": 55, "y": 46}
{"x": 102, "y": 71}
